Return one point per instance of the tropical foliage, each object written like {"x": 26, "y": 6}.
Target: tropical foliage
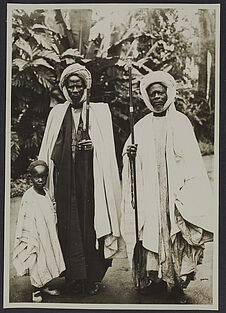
{"x": 44, "y": 42}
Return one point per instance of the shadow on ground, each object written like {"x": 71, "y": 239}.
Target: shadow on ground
{"x": 117, "y": 287}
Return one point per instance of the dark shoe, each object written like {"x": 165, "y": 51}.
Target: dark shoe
{"x": 181, "y": 299}
{"x": 93, "y": 288}
{"x": 51, "y": 292}
{"x": 76, "y": 288}
{"x": 73, "y": 286}
{"x": 144, "y": 291}
{"x": 153, "y": 288}
{"x": 179, "y": 295}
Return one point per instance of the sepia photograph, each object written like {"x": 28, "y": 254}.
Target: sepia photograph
{"x": 112, "y": 156}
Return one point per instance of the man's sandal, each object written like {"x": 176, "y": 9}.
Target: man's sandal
{"x": 36, "y": 296}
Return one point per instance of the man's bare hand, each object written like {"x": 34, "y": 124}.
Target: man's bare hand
{"x": 85, "y": 145}
{"x": 131, "y": 151}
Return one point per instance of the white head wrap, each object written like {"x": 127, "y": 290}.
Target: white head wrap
{"x": 158, "y": 77}
{"x": 80, "y": 71}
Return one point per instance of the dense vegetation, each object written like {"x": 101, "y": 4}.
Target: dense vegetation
{"x": 43, "y": 45}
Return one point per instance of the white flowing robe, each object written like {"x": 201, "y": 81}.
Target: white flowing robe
{"x": 188, "y": 184}
{"x": 107, "y": 191}
{"x": 37, "y": 249}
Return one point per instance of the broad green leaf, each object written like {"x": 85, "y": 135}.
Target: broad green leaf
{"x": 39, "y": 27}
{"x": 50, "y": 55}
{"x": 44, "y": 77}
{"x": 20, "y": 63}
{"x": 44, "y": 41}
{"x": 71, "y": 53}
{"x": 24, "y": 45}
{"x": 42, "y": 62}
{"x": 55, "y": 48}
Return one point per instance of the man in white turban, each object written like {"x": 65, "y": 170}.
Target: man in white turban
{"x": 88, "y": 226}
{"x": 174, "y": 196}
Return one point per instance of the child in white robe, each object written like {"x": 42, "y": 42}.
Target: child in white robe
{"x": 37, "y": 250}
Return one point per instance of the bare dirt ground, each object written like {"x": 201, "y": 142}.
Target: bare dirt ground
{"x": 117, "y": 287}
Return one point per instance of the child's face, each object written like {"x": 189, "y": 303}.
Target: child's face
{"x": 39, "y": 176}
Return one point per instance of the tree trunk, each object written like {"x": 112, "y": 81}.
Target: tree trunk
{"x": 207, "y": 43}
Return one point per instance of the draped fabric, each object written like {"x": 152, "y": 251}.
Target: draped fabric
{"x": 66, "y": 205}
{"x": 165, "y": 247}
{"x": 175, "y": 201}
{"x": 75, "y": 205}
{"x": 107, "y": 193}
{"x": 37, "y": 250}
{"x": 85, "y": 184}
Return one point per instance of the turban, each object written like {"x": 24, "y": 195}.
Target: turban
{"x": 80, "y": 71}
{"x": 162, "y": 78}
{"x": 37, "y": 163}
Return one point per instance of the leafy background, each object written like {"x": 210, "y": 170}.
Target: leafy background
{"x": 44, "y": 42}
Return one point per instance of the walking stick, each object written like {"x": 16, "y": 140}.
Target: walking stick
{"x": 137, "y": 250}
{"x": 86, "y": 179}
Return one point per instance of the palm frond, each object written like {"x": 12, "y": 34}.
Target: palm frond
{"x": 24, "y": 46}
{"x": 47, "y": 54}
{"x": 71, "y": 53}
{"x": 46, "y": 42}
{"x": 45, "y": 78}
{"x": 42, "y": 62}
{"x": 20, "y": 63}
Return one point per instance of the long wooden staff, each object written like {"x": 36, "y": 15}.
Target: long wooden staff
{"x": 137, "y": 250}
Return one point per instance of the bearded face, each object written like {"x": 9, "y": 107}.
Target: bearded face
{"x": 157, "y": 94}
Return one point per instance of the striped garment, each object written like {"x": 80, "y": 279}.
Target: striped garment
{"x": 37, "y": 250}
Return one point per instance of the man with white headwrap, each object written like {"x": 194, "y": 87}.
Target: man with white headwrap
{"x": 174, "y": 196}
{"x": 88, "y": 239}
